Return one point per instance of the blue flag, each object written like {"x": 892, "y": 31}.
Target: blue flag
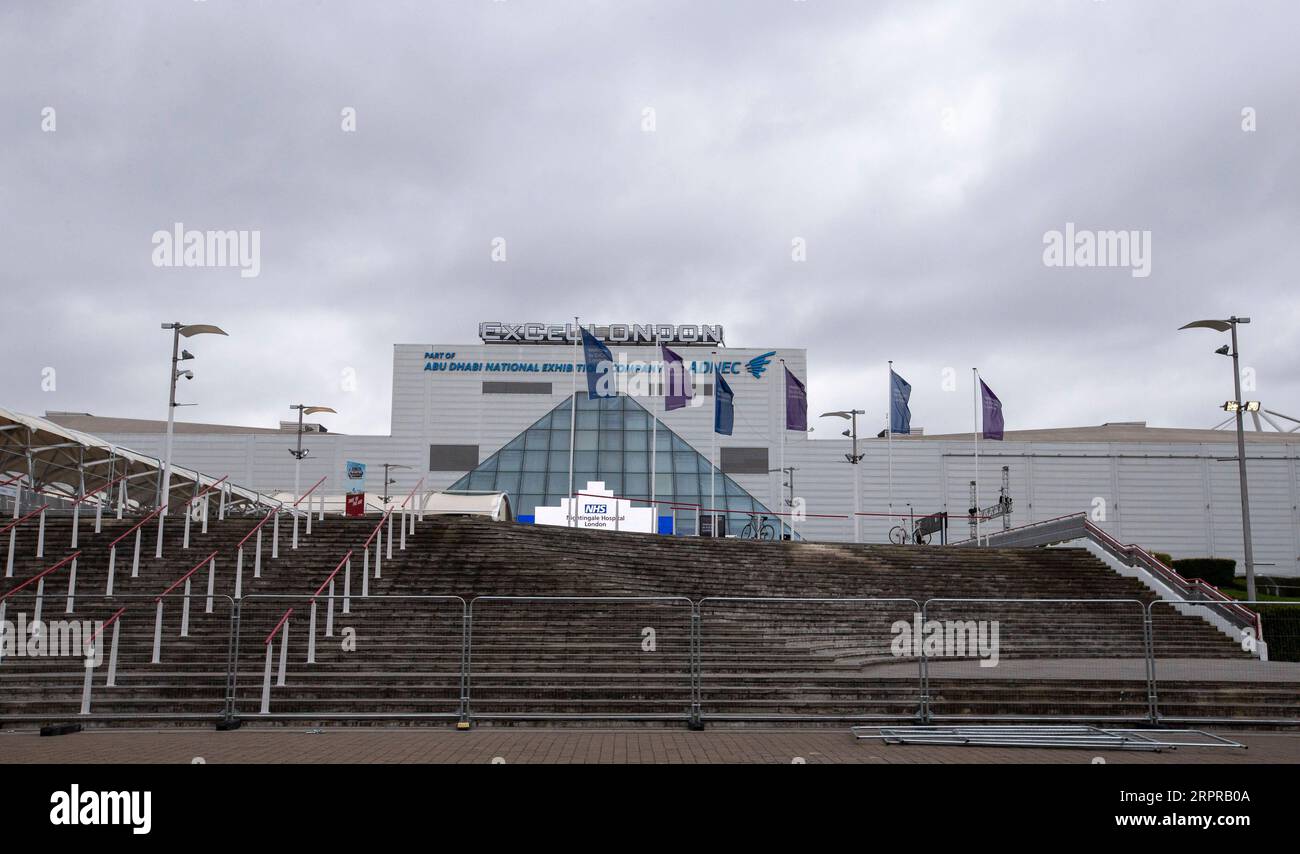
{"x": 993, "y": 423}
{"x": 677, "y": 382}
{"x": 724, "y": 410}
{"x": 796, "y": 403}
{"x": 601, "y": 379}
{"x": 900, "y": 415}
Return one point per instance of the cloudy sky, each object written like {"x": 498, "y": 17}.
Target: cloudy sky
{"x": 653, "y": 161}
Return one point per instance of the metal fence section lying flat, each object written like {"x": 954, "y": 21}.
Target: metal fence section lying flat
{"x": 580, "y": 658}
{"x": 337, "y": 657}
{"x": 117, "y": 658}
{"x": 1208, "y": 668}
{"x": 790, "y": 659}
{"x": 1009, "y": 659}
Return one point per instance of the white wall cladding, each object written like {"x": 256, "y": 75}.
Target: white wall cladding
{"x": 1174, "y": 497}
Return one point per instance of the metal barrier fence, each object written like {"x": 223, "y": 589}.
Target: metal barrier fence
{"x": 332, "y": 655}
{"x": 805, "y": 659}
{"x": 324, "y": 658}
{"x": 580, "y": 658}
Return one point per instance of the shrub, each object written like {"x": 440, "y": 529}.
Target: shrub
{"x": 1281, "y": 626}
{"x": 1165, "y": 558}
{"x": 1219, "y": 571}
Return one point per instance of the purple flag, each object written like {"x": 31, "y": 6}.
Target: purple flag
{"x": 796, "y": 403}
{"x": 677, "y": 381}
{"x": 993, "y": 423}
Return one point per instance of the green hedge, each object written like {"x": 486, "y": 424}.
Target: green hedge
{"x": 1281, "y": 626}
{"x": 1165, "y": 558}
{"x": 1218, "y": 571}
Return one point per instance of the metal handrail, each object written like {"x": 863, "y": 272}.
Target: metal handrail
{"x": 38, "y": 576}
{"x": 160, "y": 508}
{"x": 310, "y": 491}
{"x": 16, "y": 522}
{"x": 1020, "y": 527}
{"x": 347, "y": 557}
{"x": 384, "y": 519}
{"x": 412, "y": 493}
{"x": 284, "y": 619}
{"x": 257, "y": 527}
{"x": 178, "y": 582}
{"x": 110, "y": 621}
{"x": 86, "y": 495}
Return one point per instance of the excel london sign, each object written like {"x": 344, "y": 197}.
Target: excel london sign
{"x": 613, "y": 333}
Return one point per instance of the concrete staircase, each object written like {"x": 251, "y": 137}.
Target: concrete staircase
{"x": 399, "y": 655}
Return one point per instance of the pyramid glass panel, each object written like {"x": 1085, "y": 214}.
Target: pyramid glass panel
{"x": 613, "y": 445}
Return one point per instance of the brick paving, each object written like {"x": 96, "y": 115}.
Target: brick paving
{"x": 571, "y": 745}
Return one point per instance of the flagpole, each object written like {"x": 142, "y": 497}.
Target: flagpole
{"x": 713, "y": 454}
{"x": 785, "y": 422}
{"x": 573, "y": 421}
{"x": 889, "y": 440}
{"x": 654, "y": 438}
{"x": 975, "y": 410}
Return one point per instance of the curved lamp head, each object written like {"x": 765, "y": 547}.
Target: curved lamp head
{"x": 1219, "y": 325}
{"x": 201, "y": 329}
{"x": 311, "y": 410}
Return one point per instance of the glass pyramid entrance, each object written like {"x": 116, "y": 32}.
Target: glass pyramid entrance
{"x": 612, "y": 445}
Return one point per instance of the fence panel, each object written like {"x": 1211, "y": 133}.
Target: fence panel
{"x": 791, "y": 659}
{"x": 1030, "y": 659}
{"x": 124, "y": 657}
{"x": 338, "y": 659}
{"x": 580, "y": 658}
{"x": 1212, "y": 666}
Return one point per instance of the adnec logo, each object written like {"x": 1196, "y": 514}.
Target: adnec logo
{"x": 758, "y": 364}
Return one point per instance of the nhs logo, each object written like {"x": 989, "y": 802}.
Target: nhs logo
{"x": 595, "y": 508}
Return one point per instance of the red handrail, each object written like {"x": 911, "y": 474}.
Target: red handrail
{"x": 327, "y": 581}
{"x": 86, "y": 495}
{"x": 110, "y": 621}
{"x": 16, "y": 522}
{"x": 277, "y": 627}
{"x": 377, "y": 527}
{"x": 412, "y": 492}
{"x": 310, "y": 491}
{"x": 38, "y": 576}
{"x": 12, "y": 479}
{"x": 178, "y": 582}
{"x": 137, "y": 525}
{"x": 257, "y": 527}
{"x": 210, "y": 487}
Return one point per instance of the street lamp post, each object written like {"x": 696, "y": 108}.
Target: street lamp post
{"x": 854, "y": 458}
{"x": 178, "y": 329}
{"x": 387, "y": 481}
{"x": 298, "y": 452}
{"x": 1236, "y": 405}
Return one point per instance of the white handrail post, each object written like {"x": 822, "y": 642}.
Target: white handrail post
{"x": 347, "y": 586}
{"x": 321, "y": 517}
{"x": 293, "y": 544}
{"x": 311, "y": 635}
{"x": 379, "y": 554}
{"x": 185, "y": 540}
{"x": 135, "y": 559}
{"x": 309, "y": 500}
{"x": 212, "y": 582}
{"x": 284, "y": 653}
{"x": 40, "y": 601}
{"x": 329, "y": 613}
{"x": 266, "y": 679}
{"x": 2, "y": 631}
{"x": 89, "y": 666}
{"x": 257, "y": 556}
{"x": 9, "y": 563}
{"x": 275, "y": 537}
{"x": 72, "y": 586}
{"x": 158, "y": 551}
{"x": 207, "y": 508}
{"x": 239, "y": 571}
{"x": 121, "y": 498}
{"x": 221, "y": 502}
{"x": 112, "y": 564}
{"x": 40, "y": 537}
{"x": 111, "y": 682}
{"x": 99, "y": 515}
{"x": 76, "y": 523}
{"x": 365, "y": 573}
{"x": 402, "y": 545}
{"x": 390, "y": 536}
{"x": 185, "y": 611}
{"x": 157, "y": 634}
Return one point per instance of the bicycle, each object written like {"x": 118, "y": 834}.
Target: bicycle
{"x": 758, "y": 528}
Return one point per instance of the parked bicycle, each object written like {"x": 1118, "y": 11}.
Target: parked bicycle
{"x": 758, "y": 528}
